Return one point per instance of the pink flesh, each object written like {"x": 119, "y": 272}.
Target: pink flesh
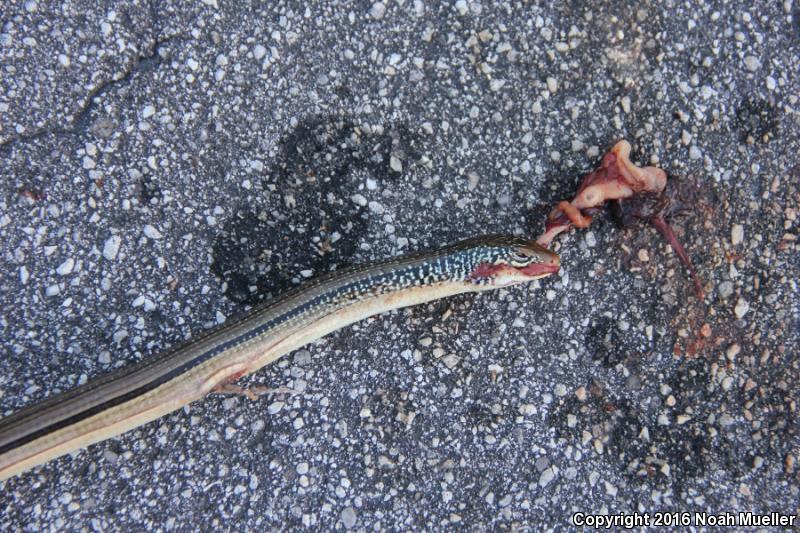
{"x": 616, "y": 177}
{"x": 666, "y": 231}
{"x": 535, "y": 270}
{"x": 485, "y": 270}
{"x": 540, "y": 269}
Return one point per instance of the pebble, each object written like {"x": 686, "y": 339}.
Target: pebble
{"x": 395, "y": 163}
{"x": 349, "y": 517}
{"x": 302, "y": 357}
{"x": 111, "y": 247}
{"x": 66, "y": 267}
{"x": 771, "y": 83}
{"x": 695, "y": 153}
{"x": 742, "y": 307}
{"x": 590, "y": 239}
{"x": 725, "y": 289}
{"x": 151, "y": 232}
{"x": 732, "y": 351}
{"x": 752, "y": 63}
{"x": 546, "y": 477}
{"x": 737, "y": 234}
{"x": 259, "y": 51}
{"x": 378, "y": 10}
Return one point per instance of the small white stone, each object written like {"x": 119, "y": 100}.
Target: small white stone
{"x": 88, "y": 162}
{"x": 151, "y": 232}
{"x": 771, "y": 83}
{"x": 359, "y": 199}
{"x": 378, "y": 10}
{"x": 259, "y": 51}
{"x": 737, "y": 234}
{"x": 752, "y": 63}
{"x": 349, "y": 517}
{"x": 742, "y": 307}
{"x": 65, "y": 267}
{"x": 111, "y": 247}
{"x": 52, "y": 290}
{"x": 462, "y": 7}
{"x": 695, "y": 153}
{"x": 395, "y": 163}
{"x": 546, "y": 477}
{"x": 496, "y": 85}
{"x": 24, "y": 276}
{"x": 376, "y": 207}
{"x": 148, "y": 111}
{"x": 552, "y": 84}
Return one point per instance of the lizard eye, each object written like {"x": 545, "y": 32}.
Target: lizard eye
{"x": 519, "y": 257}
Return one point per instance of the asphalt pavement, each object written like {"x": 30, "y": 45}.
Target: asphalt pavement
{"x": 167, "y": 164}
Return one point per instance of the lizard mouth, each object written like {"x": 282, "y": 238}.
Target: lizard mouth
{"x": 501, "y": 275}
{"x": 540, "y": 270}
